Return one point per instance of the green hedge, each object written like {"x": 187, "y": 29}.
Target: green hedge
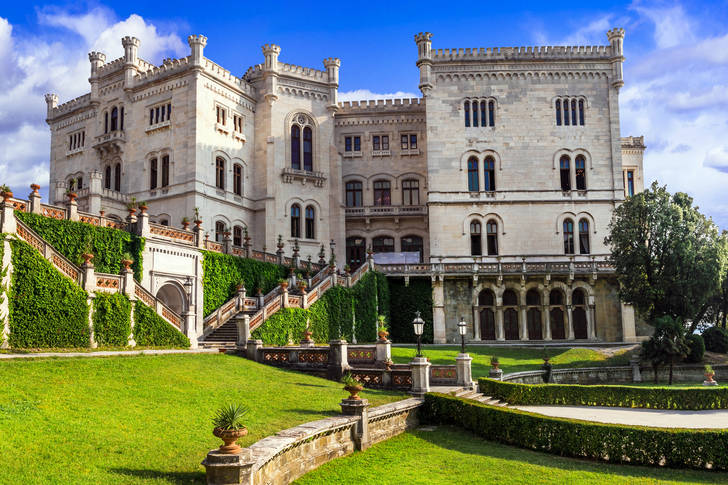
{"x": 112, "y": 319}
{"x": 613, "y": 396}
{"x": 676, "y": 448}
{"x": 696, "y": 344}
{"x": 716, "y": 340}
{"x": 405, "y": 301}
{"x": 224, "y": 272}
{"x": 72, "y": 239}
{"x": 152, "y": 330}
{"x": 46, "y": 308}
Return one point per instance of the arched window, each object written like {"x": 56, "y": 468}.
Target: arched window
{"x": 476, "y": 245}
{"x": 238, "y": 179}
{"x": 382, "y": 193}
{"x": 106, "y": 121}
{"x": 295, "y": 220}
{"x": 107, "y": 177}
{"x": 117, "y": 177}
{"x": 310, "y": 223}
{"x": 581, "y": 112}
{"x": 583, "y": 236}
{"x": 219, "y": 231}
{"x": 296, "y": 147}
{"x": 533, "y": 315}
{"x": 486, "y": 310}
{"x": 353, "y": 194}
{"x": 79, "y": 183}
{"x": 153, "y": 173}
{"x": 491, "y": 230}
{"x": 580, "y": 168}
{"x": 556, "y": 313}
{"x": 307, "y": 149}
{"x": 355, "y": 251}
{"x": 411, "y": 244}
{"x": 568, "y": 236}
{"x": 411, "y": 192}
{"x": 578, "y": 314}
{"x": 565, "y": 171}
{"x": 483, "y": 110}
{"x": 475, "y": 113}
{"x": 473, "y": 176}
{"x": 114, "y": 118}
{"x": 121, "y": 118}
{"x": 383, "y": 244}
{"x": 237, "y": 236}
{"x": 573, "y": 112}
{"x": 491, "y": 113}
{"x": 165, "y": 170}
{"x": 467, "y": 113}
{"x": 220, "y": 173}
{"x": 489, "y": 173}
{"x": 558, "y": 112}
{"x": 510, "y": 314}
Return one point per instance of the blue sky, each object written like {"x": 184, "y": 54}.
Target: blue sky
{"x": 676, "y": 72}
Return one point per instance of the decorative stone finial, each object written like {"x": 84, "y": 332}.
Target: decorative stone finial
{"x": 197, "y": 45}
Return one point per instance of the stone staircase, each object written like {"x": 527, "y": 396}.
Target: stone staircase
{"x": 474, "y": 395}
{"x": 226, "y": 335}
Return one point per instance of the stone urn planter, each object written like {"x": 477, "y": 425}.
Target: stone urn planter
{"x": 284, "y": 284}
{"x": 229, "y": 438}
{"x": 127, "y": 264}
{"x": 354, "y": 391}
{"x": 87, "y": 257}
{"x": 35, "y": 188}
{"x": 495, "y": 363}
{"x": 709, "y": 373}
{"x": 7, "y": 195}
{"x": 228, "y": 426}
{"x": 185, "y": 225}
{"x": 102, "y": 212}
{"x": 143, "y": 209}
{"x": 71, "y": 196}
{"x": 383, "y": 334}
{"x": 198, "y": 223}
{"x": 132, "y": 211}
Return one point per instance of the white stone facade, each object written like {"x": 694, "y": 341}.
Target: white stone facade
{"x": 416, "y": 176}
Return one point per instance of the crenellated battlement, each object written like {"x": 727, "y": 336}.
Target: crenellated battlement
{"x": 168, "y": 66}
{"x": 523, "y": 53}
{"x": 72, "y": 105}
{"x": 108, "y": 68}
{"x": 224, "y": 75}
{"x": 308, "y": 72}
{"x": 404, "y": 104}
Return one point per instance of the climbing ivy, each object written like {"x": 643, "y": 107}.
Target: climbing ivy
{"x": 72, "y": 239}
{"x": 46, "y": 308}
{"x": 152, "y": 330}
{"x": 112, "y": 319}
{"x": 224, "y": 272}
{"x": 405, "y": 301}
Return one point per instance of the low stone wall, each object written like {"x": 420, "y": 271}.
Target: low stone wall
{"x": 693, "y": 373}
{"x": 289, "y": 454}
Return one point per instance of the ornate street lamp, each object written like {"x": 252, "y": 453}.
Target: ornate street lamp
{"x": 462, "y": 330}
{"x": 419, "y": 325}
{"x": 188, "y": 288}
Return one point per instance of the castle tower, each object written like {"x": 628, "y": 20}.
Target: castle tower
{"x": 424, "y": 60}
{"x": 131, "y": 56}
{"x": 270, "y": 71}
{"x": 97, "y": 59}
{"x": 51, "y": 102}
{"x": 197, "y": 46}
{"x": 616, "y": 39}
{"x": 332, "y": 65}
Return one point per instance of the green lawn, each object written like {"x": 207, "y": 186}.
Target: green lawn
{"x": 143, "y": 419}
{"x": 513, "y": 359}
{"x": 453, "y": 456}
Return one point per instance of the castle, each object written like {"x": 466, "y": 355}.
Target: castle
{"x": 498, "y": 184}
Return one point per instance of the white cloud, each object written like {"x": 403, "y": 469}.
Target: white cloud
{"x": 672, "y": 24}
{"x": 365, "y": 94}
{"x": 717, "y": 158}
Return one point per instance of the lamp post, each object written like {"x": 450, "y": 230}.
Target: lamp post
{"x": 419, "y": 326}
{"x": 462, "y": 329}
{"x": 188, "y": 288}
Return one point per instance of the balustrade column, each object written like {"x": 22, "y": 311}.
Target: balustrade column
{"x": 499, "y": 332}
{"x": 35, "y": 200}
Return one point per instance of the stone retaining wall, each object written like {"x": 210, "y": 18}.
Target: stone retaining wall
{"x": 617, "y": 375}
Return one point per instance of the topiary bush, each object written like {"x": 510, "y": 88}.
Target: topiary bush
{"x": 716, "y": 340}
{"x": 46, "y": 308}
{"x": 697, "y": 348}
{"x": 404, "y": 302}
{"x": 112, "y": 319}
{"x": 72, "y": 239}
{"x": 152, "y": 330}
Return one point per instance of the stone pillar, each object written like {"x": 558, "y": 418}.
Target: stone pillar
{"x": 199, "y": 235}
{"x": 569, "y": 323}
{"x": 476, "y": 324}
{"x": 438, "y": 312}
{"x": 7, "y": 224}
{"x": 634, "y": 362}
{"x": 190, "y": 322}
{"x": 127, "y": 288}
{"x": 241, "y": 292}
{"x": 522, "y": 327}
{"x": 34, "y": 199}
{"x": 243, "y": 324}
{"x": 253, "y": 350}
{"x": 142, "y": 224}
{"x": 225, "y": 469}
{"x": 94, "y": 192}
{"x": 338, "y": 359}
{"x": 384, "y": 351}
{"x": 590, "y": 324}
{"x": 629, "y": 333}
{"x": 546, "y": 322}
{"x": 72, "y": 210}
{"x": 7, "y": 266}
{"x": 463, "y": 369}
{"x": 358, "y": 408}
{"x": 284, "y": 297}
{"x": 227, "y": 243}
{"x": 499, "y": 332}
{"x": 420, "y": 376}
{"x": 88, "y": 277}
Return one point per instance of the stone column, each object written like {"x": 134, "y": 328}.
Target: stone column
{"x": 72, "y": 210}
{"x": 476, "y": 324}
{"x": 420, "y": 376}
{"x": 94, "y": 192}
{"x": 199, "y": 236}
{"x": 142, "y": 224}
{"x": 384, "y": 351}
{"x": 590, "y": 326}
{"x": 569, "y": 323}
{"x": 438, "y": 312}
{"x": 88, "y": 277}
{"x": 634, "y": 362}
{"x": 499, "y": 332}
{"x": 463, "y": 369}
{"x": 243, "y": 324}
{"x": 7, "y": 224}
{"x": 338, "y": 359}
{"x": 225, "y": 469}
{"x": 127, "y": 288}
{"x": 629, "y": 333}
{"x": 522, "y": 327}
{"x": 284, "y": 297}
{"x": 241, "y": 292}
{"x": 359, "y": 408}
{"x": 34, "y": 199}
{"x": 190, "y": 325}
{"x": 227, "y": 243}
{"x": 546, "y": 319}
{"x": 253, "y": 350}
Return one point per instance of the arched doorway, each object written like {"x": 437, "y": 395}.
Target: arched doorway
{"x": 172, "y": 296}
{"x": 533, "y": 315}
{"x": 486, "y": 309}
{"x": 510, "y": 315}
{"x": 557, "y": 310}
{"x": 578, "y": 313}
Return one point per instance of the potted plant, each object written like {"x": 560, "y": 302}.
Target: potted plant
{"x": 283, "y": 283}
{"x": 351, "y": 385}
{"x": 494, "y": 362}
{"x": 70, "y": 192}
{"x": 198, "y": 221}
{"x": 143, "y": 207}
{"x": 102, "y": 211}
{"x": 185, "y": 223}
{"x": 301, "y": 285}
{"x": 229, "y": 427}
{"x": 35, "y": 188}
{"x": 127, "y": 262}
{"x": 382, "y": 327}
{"x": 347, "y": 269}
{"x": 131, "y": 206}
{"x": 5, "y": 192}
{"x": 709, "y": 373}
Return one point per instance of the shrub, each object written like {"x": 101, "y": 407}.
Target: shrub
{"x": 404, "y": 302}
{"x": 112, "y": 319}
{"x": 72, "y": 239}
{"x": 152, "y": 330}
{"x": 46, "y": 308}
{"x": 697, "y": 348}
{"x": 676, "y": 448}
{"x": 716, "y": 340}
{"x": 230, "y": 416}
{"x": 613, "y": 396}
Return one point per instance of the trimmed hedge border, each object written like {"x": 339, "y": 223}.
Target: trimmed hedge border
{"x": 611, "y": 396}
{"x": 112, "y": 319}
{"x": 152, "y": 330}
{"x": 637, "y": 445}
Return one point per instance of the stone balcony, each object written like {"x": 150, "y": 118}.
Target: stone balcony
{"x": 110, "y": 143}
{"x": 304, "y": 176}
{"x": 386, "y": 211}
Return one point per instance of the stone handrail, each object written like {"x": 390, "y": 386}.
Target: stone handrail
{"x": 158, "y": 306}
{"x": 176, "y": 235}
{"x": 60, "y": 262}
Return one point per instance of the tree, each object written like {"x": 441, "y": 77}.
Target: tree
{"x": 669, "y": 258}
{"x": 667, "y": 346}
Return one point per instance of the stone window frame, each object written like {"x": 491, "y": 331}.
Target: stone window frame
{"x": 294, "y": 117}
{"x": 468, "y": 117}
{"x": 352, "y": 136}
{"x": 161, "y": 118}
{"x": 572, "y": 154}
{"x": 582, "y": 110}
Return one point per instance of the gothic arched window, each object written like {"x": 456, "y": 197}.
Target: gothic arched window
{"x": 117, "y": 177}
{"x": 568, "y": 236}
{"x": 295, "y": 220}
{"x": 467, "y": 113}
{"x": 476, "y": 245}
{"x": 302, "y": 149}
{"x": 238, "y": 179}
{"x": 491, "y": 231}
{"x": 310, "y": 223}
{"x": 580, "y": 167}
{"x": 220, "y": 173}
{"x": 473, "y": 176}
{"x": 489, "y": 173}
{"x": 114, "y": 118}
{"x": 565, "y": 172}
{"x": 583, "y": 236}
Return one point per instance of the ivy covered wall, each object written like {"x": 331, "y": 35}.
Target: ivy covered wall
{"x": 153, "y": 331}
{"x": 405, "y": 301}
{"x": 112, "y": 319}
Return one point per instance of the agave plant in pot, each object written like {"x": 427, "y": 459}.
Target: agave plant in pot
{"x": 382, "y": 327}
{"x": 229, "y": 427}
{"x": 351, "y": 385}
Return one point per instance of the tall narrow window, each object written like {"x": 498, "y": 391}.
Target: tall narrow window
{"x": 237, "y": 236}
{"x": 353, "y": 194}
{"x": 114, "y": 118}
{"x": 117, "y": 177}
{"x": 295, "y": 220}
{"x": 467, "y": 113}
{"x": 558, "y": 112}
{"x": 153, "y": 174}
{"x": 347, "y": 144}
{"x": 569, "y": 236}
{"x": 382, "y": 193}
{"x": 583, "y": 236}
{"x": 219, "y": 231}
{"x": 476, "y": 244}
{"x": 121, "y": 118}
{"x": 473, "y": 176}
{"x": 580, "y": 168}
{"x": 106, "y": 122}
{"x": 573, "y": 112}
{"x": 357, "y": 143}
{"x": 310, "y": 223}
{"x": 296, "y": 147}
{"x": 385, "y": 142}
{"x": 491, "y": 113}
{"x": 165, "y": 170}
{"x": 491, "y": 231}
{"x": 413, "y": 142}
{"x": 307, "y": 149}
{"x": 238, "y": 179}
{"x": 151, "y": 116}
{"x": 630, "y": 183}
{"x": 581, "y": 112}
{"x": 79, "y": 183}
{"x": 107, "y": 177}
{"x": 483, "y": 121}
{"x": 566, "y": 112}
{"x": 565, "y": 171}
{"x": 489, "y": 173}
{"x": 376, "y": 143}
{"x": 220, "y": 173}
{"x": 411, "y": 192}
{"x": 475, "y": 113}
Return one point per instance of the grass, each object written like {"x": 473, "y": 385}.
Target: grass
{"x": 515, "y": 359}
{"x": 143, "y": 419}
{"x": 451, "y": 455}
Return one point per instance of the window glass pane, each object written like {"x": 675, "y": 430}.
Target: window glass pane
{"x": 473, "y": 178}
{"x": 295, "y": 147}
{"x": 307, "y": 149}
{"x": 405, "y": 144}
{"x": 413, "y": 142}
{"x": 482, "y": 114}
{"x": 475, "y": 113}
{"x": 376, "y": 145}
{"x": 466, "y": 109}
{"x": 385, "y": 142}
{"x": 347, "y": 144}
{"x": 491, "y": 113}
{"x": 357, "y": 143}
